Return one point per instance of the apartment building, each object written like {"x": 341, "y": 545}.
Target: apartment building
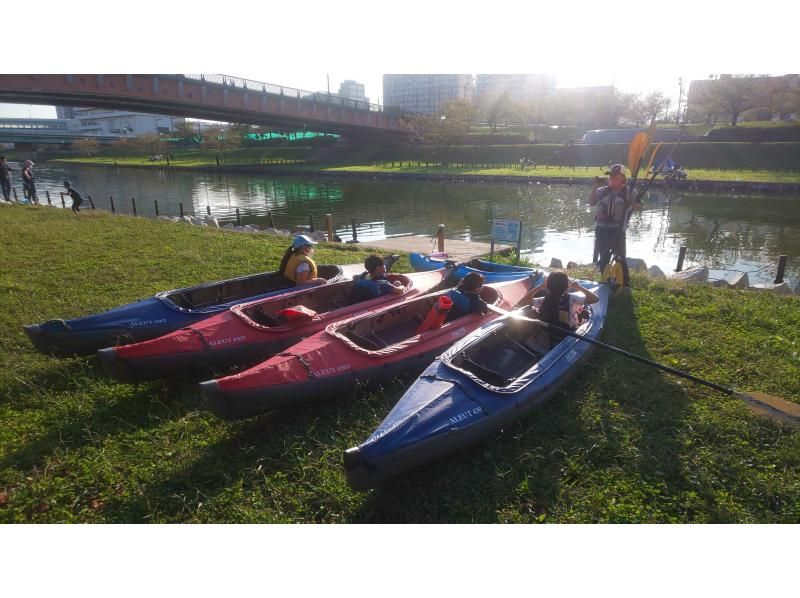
{"x": 426, "y": 93}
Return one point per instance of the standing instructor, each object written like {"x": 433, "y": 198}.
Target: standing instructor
{"x": 612, "y": 204}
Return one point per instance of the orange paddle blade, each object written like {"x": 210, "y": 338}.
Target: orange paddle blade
{"x": 635, "y": 151}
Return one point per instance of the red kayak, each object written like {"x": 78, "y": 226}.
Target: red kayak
{"x": 251, "y": 332}
{"x": 370, "y": 347}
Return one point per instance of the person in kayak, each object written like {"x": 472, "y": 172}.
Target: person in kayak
{"x": 373, "y": 283}
{"x": 555, "y": 308}
{"x": 612, "y": 206}
{"x": 77, "y": 200}
{"x": 297, "y": 264}
{"x": 466, "y": 297}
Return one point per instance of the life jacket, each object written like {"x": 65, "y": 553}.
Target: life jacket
{"x": 614, "y": 274}
{"x": 611, "y": 207}
{"x": 570, "y": 307}
{"x": 294, "y": 263}
{"x": 365, "y": 288}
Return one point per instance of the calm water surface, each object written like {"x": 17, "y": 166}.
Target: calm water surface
{"x": 726, "y": 232}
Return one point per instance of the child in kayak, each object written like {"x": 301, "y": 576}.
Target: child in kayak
{"x": 77, "y": 200}
{"x": 297, "y": 264}
{"x": 373, "y": 283}
{"x": 466, "y": 297}
{"x": 554, "y": 309}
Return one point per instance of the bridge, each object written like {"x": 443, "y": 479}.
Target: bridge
{"x": 210, "y": 97}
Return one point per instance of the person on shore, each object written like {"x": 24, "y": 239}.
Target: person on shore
{"x": 77, "y": 200}
{"x": 297, "y": 264}
{"x": 373, "y": 282}
{"x": 28, "y": 182}
{"x": 611, "y": 214}
{"x": 5, "y": 178}
{"x": 466, "y": 297}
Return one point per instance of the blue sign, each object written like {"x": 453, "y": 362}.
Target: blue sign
{"x": 504, "y": 229}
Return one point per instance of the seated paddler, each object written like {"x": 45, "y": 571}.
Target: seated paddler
{"x": 373, "y": 283}
{"x": 297, "y": 264}
{"x": 466, "y": 297}
{"x": 559, "y": 301}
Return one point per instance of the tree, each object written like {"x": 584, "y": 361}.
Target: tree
{"x": 440, "y": 131}
{"x": 87, "y": 146}
{"x": 653, "y": 104}
{"x": 186, "y": 130}
{"x": 149, "y": 142}
{"x": 733, "y": 95}
{"x": 493, "y": 108}
{"x": 221, "y": 139}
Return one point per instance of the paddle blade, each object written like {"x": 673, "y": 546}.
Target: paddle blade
{"x": 651, "y": 133}
{"x": 771, "y": 406}
{"x": 652, "y": 157}
{"x": 635, "y": 150}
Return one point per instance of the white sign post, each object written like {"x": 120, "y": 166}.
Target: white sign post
{"x": 506, "y": 230}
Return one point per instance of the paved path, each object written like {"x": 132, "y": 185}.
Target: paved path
{"x": 460, "y": 251}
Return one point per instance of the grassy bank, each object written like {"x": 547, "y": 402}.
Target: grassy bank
{"x": 544, "y": 170}
{"x": 620, "y": 443}
{"x": 414, "y": 167}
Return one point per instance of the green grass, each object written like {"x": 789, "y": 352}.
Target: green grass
{"x": 542, "y": 170}
{"x": 620, "y": 443}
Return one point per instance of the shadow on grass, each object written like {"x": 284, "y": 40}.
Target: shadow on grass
{"x": 615, "y": 414}
{"x": 113, "y": 409}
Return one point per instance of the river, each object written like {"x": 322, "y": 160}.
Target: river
{"x": 728, "y": 233}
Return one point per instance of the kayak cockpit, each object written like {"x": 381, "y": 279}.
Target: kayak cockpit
{"x": 304, "y": 304}
{"x": 510, "y": 351}
{"x": 397, "y": 328}
{"x": 208, "y": 296}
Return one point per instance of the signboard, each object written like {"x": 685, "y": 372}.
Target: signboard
{"x": 504, "y": 229}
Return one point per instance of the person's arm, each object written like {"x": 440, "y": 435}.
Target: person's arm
{"x": 594, "y": 196}
{"x": 303, "y": 276}
{"x": 590, "y": 297}
{"x": 531, "y": 294}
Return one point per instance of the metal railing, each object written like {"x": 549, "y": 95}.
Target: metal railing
{"x": 260, "y": 86}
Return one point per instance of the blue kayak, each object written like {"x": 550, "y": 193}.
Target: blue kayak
{"x": 483, "y": 383}
{"x": 491, "y": 271}
{"x": 163, "y": 313}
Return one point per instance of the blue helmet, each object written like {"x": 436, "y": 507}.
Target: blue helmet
{"x": 301, "y": 241}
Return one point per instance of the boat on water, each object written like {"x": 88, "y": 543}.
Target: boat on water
{"x": 480, "y": 385}
{"x": 368, "y": 348}
{"x": 162, "y": 313}
{"x": 491, "y": 271}
{"x": 250, "y": 332}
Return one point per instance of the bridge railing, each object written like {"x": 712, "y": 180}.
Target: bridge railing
{"x": 317, "y": 96}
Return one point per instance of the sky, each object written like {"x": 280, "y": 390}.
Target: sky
{"x": 629, "y": 44}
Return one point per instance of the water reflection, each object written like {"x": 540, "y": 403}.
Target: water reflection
{"x": 745, "y": 233}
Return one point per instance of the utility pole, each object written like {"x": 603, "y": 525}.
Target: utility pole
{"x": 680, "y": 99}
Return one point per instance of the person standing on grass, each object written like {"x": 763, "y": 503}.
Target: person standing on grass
{"x": 612, "y": 205}
{"x": 77, "y": 200}
{"x": 5, "y": 178}
{"x": 28, "y": 182}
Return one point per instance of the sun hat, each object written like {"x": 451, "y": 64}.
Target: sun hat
{"x": 301, "y": 241}
{"x": 616, "y": 169}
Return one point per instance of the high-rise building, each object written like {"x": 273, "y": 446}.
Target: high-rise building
{"x": 425, "y": 93}
{"x": 518, "y": 88}
{"x": 352, "y": 91}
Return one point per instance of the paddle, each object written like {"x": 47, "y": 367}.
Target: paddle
{"x": 760, "y": 403}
